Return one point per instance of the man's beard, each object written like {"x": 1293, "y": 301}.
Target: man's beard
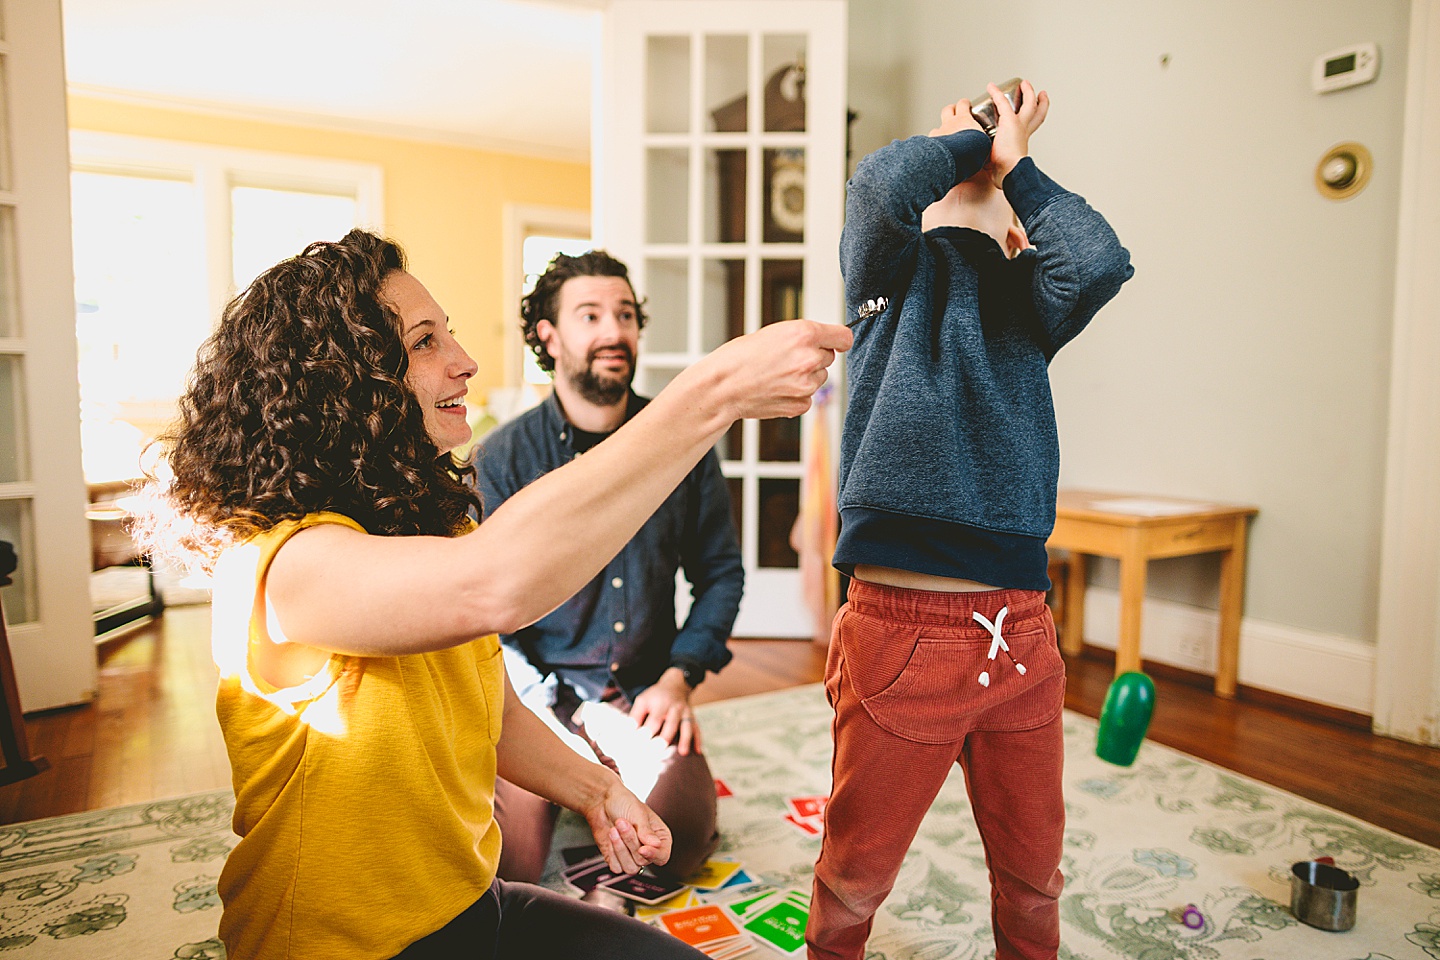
{"x": 602, "y": 390}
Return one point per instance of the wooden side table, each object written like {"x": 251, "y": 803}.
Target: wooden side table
{"x": 1137, "y": 529}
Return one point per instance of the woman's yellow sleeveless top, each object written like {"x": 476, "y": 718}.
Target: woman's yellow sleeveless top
{"x": 364, "y": 798}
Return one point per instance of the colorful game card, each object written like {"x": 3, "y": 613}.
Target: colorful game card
{"x": 574, "y": 855}
{"x": 742, "y": 878}
{"x": 714, "y": 874}
{"x": 686, "y": 898}
{"x": 588, "y": 875}
{"x": 811, "y": 828}
{"x": 707, "y": 929}
{"x": 807, "y": 807}
{"x": 781, "y": 924}
{"x": 643, "y": 887}
{"x": 749, "y": 904}
{"x": 721, "y": 790}
{"x": 731, "y": 892}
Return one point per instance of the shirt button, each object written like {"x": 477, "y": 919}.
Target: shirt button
{"x": 619, "y": 626}
{"x": 617, "y": 583}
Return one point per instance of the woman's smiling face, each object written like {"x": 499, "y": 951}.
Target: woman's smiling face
{"x": 440, "y": 369}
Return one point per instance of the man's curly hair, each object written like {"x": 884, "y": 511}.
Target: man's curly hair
{"x": 542, "y": 302}
{"x": 297, "y": 404}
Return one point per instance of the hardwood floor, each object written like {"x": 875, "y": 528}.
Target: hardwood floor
{"x": 152, "y": 733}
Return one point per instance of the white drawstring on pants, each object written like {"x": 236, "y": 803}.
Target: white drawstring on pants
{"x": 997, "y": 642}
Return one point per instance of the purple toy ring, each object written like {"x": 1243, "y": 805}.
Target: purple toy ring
{"x": 1192, "y": 917}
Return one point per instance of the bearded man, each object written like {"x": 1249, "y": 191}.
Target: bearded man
{"x": 610, "y": 667}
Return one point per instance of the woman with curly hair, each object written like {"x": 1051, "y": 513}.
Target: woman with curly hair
{"x": 362, "y": 693}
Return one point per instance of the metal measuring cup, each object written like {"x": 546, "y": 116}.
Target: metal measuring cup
{"x": 983, "y": 110}
{"x": 1323, "y": 895}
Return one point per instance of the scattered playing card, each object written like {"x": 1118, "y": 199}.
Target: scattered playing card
{"x": 574, "y": 855}
{"x": 781, "y": 924}
{"x": 809, "y": 827}
{"x": 745, "y": 906}
{"x": 807, "y": 807}
{"x": 741, "y": 878}
{"x": 713, "y": 875}
{"x": 680, "y": 901}
{"x": 643, "y": 887}
{"x": 707, "y": 929}
{"x": 721, "y": 790}
{"x": 589, "y": 875}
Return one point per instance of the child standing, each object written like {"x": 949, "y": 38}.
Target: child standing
{"x": 966, "y": 269}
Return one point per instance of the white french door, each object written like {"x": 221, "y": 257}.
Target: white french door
{"x": 719, "y": 172}
{"x": 42, "y": 490}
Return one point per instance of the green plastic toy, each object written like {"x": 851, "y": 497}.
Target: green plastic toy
{"x": 1125, "y": 718}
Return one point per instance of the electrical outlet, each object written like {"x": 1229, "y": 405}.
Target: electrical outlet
{"x": 1191, "y": 649}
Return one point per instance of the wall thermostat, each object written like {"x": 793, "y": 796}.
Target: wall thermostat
{"x": 1346, "y": 67}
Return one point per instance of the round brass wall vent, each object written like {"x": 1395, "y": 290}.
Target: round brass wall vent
{"x": 1343, "y": 171}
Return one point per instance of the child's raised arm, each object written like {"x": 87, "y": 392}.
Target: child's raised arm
{"x": 1014, "y": 127}
{"x": 887, "y": 196}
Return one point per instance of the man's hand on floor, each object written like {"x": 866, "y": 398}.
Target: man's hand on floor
{"x": 663, "y": 710}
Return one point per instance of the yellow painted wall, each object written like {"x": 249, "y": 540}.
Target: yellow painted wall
{"x": 444, "y": 204}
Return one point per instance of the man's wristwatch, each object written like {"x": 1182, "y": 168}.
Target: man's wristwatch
{"x": 693, "y": 672}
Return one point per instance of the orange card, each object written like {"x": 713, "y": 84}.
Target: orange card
{"x": 699, "y": 925}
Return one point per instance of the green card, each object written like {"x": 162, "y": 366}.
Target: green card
{"x": 781, "y": 926}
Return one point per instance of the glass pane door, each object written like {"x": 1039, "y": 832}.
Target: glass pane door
{"x": 708, "y": 191}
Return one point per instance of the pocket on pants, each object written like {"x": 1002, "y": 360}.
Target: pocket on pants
{"x": 874, "y": 653}
{"x": 937, "y": 696}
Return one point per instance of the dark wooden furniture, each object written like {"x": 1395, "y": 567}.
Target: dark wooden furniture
{"x": 14, "y": 748}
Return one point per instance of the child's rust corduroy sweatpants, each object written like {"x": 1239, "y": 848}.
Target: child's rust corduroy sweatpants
{"x": 921, "y": 680}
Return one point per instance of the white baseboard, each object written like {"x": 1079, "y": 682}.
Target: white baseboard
{"x": 1318, "y": 667}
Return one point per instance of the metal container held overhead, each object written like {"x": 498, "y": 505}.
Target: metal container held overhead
{"x": 1322, "y": 895}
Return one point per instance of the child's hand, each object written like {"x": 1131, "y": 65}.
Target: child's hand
{"x": 956, "y": 117}
{"x": 1013, "y": 128}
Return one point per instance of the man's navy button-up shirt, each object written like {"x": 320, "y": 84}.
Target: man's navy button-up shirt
{"x": 619, "y": 630}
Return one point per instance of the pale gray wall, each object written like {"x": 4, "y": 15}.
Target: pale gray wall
{"x": 1249, "y": 358}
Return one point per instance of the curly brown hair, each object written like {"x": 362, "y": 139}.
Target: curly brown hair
{"x": 297, "y": 404}
{"x": 542, "y": 302}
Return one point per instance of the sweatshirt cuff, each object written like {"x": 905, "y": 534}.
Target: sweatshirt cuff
{"x": 1028, "y": 189}
{"x": 970, "y": 150}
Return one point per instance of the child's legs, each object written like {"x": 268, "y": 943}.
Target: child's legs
{"x": 1015, "y": 785}
{"x": 910, "y": 676}
{"x": 883, "y": 786}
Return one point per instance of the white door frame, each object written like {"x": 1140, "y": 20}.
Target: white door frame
{"x": 523, "y": 221}
{"x": 54, "y": 654}
{"x": 1407, "y": 657}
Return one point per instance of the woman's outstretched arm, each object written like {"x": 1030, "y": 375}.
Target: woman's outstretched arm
{"x": 341, "y": 591}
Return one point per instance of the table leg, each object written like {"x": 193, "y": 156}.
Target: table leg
{"x": 1132, "y": 598}
{"x": 1232, "y": 603}
{"x": 1072, "y": 637}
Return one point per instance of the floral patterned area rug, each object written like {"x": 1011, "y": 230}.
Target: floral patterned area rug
{"x": 138, "y": 882}
{"x": 1142, "y": 843}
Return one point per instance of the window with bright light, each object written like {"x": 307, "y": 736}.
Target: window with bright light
{"x": 140, "y": 310}
{"x": 164, "y": 235}
{"x": 269, "y": 225}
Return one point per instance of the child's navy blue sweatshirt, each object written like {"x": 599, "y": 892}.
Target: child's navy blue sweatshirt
{"x": 949, "y": 458}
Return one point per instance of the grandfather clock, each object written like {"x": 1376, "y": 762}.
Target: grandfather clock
{"x": 781, "y": 279}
